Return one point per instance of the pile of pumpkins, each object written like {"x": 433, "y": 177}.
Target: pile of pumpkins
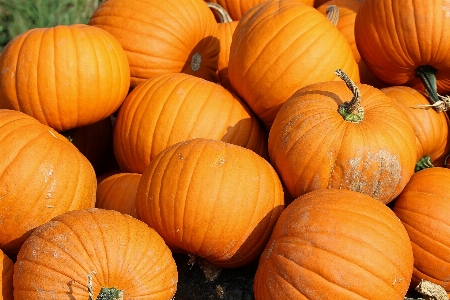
{"x": 310, "y": 136}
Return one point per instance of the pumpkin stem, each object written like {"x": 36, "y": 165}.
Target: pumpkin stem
{"x": 423, "y": 163}
{"x": 427, "y": 75}
{"x": 431, "y": 290}
{"x": 332, "y": 13}
{"x": 105, "y": 293}
{"x": 224, "y": 17}
{"x": 351, "y": 111}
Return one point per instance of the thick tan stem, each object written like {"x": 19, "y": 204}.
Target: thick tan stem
{"x": 223, "y": 14}
{"x": 332, "y": 13}
{"x": 351, "y": 111}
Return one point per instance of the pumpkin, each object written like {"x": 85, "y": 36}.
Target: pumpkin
{"x": 335, "y": 244}
{"x": 430, "y": 127}
{"x": 172, "y": 108}
{"x": 65, "y": 76}
{"x": 409, "y": 45}
{"x": 346, "y": 25}
{"x": 281, "y": 46}
{"x": 43, "y": 175}
{"x": 225, "y": 30}
{"x": 6, "y": 278}
{"x": 162, "y": 37}
{"x": 118, "y": 253}
{"x": 423, "y": 208}
{"x": 212, "y": 199}
{"x": 237, "y": 8}
{"x": 118, "y": 192}
{"x": 343, "y": 135}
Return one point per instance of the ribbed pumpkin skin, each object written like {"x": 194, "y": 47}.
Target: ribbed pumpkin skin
{"x": 124, "y": 253}
{"x": 65, "y": 76}
{"x": 225, "y": 35}
{"x": 411, "y": 33}
{"x": 172, "y": 108}
{"x": 335, "y": 244}
{"x": 162, "y": 37}
{"x": 237, "y": 8}
{"x": 6, "y": 277}
{"x": 43, "y": 175}
{"x": 423, "y": 207}
{"x": 430, "y": 127}
{"x": 118, "y": 192}
{"x": 281, "y": 46}
{"x": 313, "y": 147}
{"x": 212, "y": 199}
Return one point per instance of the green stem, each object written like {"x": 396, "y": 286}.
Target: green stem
{"x": 105, "y": 293}
{"x": 427, "y": 75}
{"x": 351, "y": 111}
{"x": 423, "y": 163}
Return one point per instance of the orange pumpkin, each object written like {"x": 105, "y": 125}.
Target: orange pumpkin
{"x": 281, "y": 46}
{"x": 408, "y": 45}
{"x": 65, "y": 76}
{"x": 431, "y": 128}
{"x": 237, "y": 8}
{"x": 162, "y": 37}
{"x": 335, "y": 244}
{"x": 118, "y": 192}
{"x": 6, "y": 277}
{"x": 423, "y": 208}
{"x": 43, "y": 175}
{"x": 212, "y": 199}
{"x": 346, "y": 25}
{"x": 120, "y": 253}
{"x": 172, "y": 108}
{"x": 343, "y": 135}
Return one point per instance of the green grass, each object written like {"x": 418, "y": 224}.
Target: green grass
{"x": 18, "y": 16}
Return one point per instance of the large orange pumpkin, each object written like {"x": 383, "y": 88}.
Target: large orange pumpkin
{"x": 65, "y": 76}
{"x": 431, "y": 128}
{"x": 328, "y": 136}
{"x": 281, "y": 46}
{"x": 212, "y": 199}
{"x": 172, "y": 108}
{"x": 6, "y": 277}
{"x": 42, "y": 175}
{"x": 408, "y": 45}
{"x": 423, "y": 207}
{"x": 119, "y": 253}
{"x": 118, "y": 192}
{"x": 162, "y": 36}
{"x": 335, "y": 244}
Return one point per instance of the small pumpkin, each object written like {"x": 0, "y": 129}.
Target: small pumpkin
{"x": 408, "y": 45}
{"x": 212, "y": 199}
{"x": 43, "y": 175}
{"x": 343, "y": 135}
{"x": 65, "y": 76}
{"x": 335, "y": 244}
{"x": 162, "y": 37}
{"x": 172, "y": 108}
{"x": 423, "y": 208}
{"x": 431, "y": 128}
{"x": 6, "y": 277}
{"x": 281, "y": 46}
{"x": 118, "y": 192}
{"x": 118, "y": 253}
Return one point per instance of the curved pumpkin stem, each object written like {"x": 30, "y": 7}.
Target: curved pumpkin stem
{"x": 351, "y": 111}
{"x": 427, "y": 75}
{"x": 423, "y": 163}
{"x": 332, "y": 13}
{"x": 223, "y": 14}
{"x": 105, "y": 293}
